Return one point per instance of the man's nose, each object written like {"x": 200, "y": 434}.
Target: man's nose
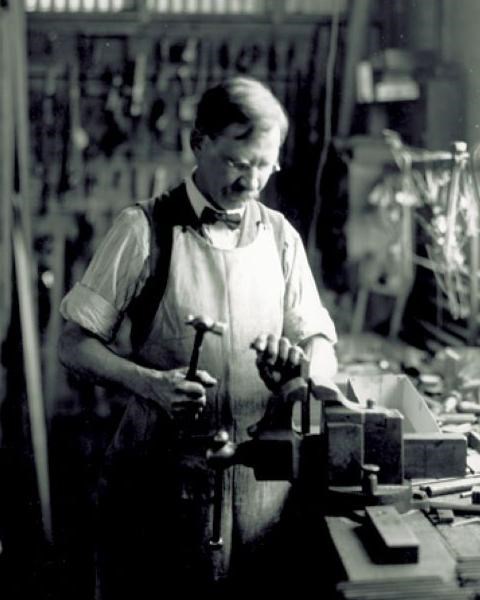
{"x": 252, "y": 177}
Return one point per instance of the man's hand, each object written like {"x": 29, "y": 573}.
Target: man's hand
{"x": 178, "y": 396}
{"x": 278, "y": 360}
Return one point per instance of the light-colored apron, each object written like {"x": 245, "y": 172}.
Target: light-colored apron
{"x": 243, "y": 287}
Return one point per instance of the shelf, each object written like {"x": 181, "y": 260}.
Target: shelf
{"x": 203, "y": 8}
{"x": 130, "y": 22}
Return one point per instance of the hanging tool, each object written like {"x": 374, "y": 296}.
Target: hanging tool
{"x": 140, "y": 73}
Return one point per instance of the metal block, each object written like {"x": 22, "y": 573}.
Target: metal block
{"x": 429, "y": 455}
{"x": 345, "y": 453}
{"x": 340, "y": 414}
{"x": 384, "y": 443}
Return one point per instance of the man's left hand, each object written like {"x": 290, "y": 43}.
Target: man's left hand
{"x": 278, "y": 360}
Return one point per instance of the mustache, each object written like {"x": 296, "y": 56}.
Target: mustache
{"x": 240, "y": 189}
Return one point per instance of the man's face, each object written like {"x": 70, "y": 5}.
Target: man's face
{"x": 232, "y": 171}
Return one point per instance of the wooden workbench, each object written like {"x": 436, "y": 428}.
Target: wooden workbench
{"x": 444, "y": 549}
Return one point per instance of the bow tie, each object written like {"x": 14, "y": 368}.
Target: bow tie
{"x": 211, "y": 216}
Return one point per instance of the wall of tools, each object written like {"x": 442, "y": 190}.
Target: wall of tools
{"x": 112, "y": 101}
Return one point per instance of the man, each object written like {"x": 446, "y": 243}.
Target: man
{"x": 242, "y": 265}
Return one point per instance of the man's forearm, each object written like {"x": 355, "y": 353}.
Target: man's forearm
{"x": 93, "y": 361}
{"x": 322, "y": 357}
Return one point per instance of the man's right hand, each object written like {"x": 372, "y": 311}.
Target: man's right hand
{"x": 178, "y": 396}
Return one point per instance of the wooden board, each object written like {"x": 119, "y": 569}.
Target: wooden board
{"x": 435, "y": 559}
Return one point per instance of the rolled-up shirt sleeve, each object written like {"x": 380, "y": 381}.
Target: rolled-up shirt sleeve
{"x": 304, "y": 314}
{"x": 115, "y": 275}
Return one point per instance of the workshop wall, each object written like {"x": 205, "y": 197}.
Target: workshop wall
{"x": 460, "y": 44}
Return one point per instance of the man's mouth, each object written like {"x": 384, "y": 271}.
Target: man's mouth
{"x": 245, "y": 194}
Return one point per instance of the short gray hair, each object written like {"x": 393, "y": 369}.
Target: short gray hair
{"x": 239, "y": 100}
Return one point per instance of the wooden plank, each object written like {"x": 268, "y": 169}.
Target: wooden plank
{"x": 21, "y": 241}
{"x": 464, "y": 541}
{"x": 33, "y": 376}
{"x": 434, "y": 556}
{"x": 392, "y": 540}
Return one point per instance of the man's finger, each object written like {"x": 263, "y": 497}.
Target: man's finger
{"x": 205, "y": 378}
{"x": 271, "y": 351}
{"x": 192, "y": 389}
{"x": 296, "y": 355}
{"x": 259, "y": 343}
{"x": 284, "y": 347}
{"x": 196, "y": 404}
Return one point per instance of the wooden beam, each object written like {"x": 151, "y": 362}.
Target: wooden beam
{"x": 357, "y": 35}
{"x": 15, "y": 204}
{"x": 6, "y": 185}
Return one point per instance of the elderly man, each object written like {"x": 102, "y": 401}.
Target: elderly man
{"x": 208, "y": 247}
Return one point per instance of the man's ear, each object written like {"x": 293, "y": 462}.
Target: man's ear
{"x": 196, "y": 140}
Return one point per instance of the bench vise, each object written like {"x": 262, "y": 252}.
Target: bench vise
{"x": 351, "y": 457}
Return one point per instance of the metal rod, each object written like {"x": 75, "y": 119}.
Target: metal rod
{"x": 216, "y": 540}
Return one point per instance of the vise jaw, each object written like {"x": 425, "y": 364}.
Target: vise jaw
{"x": 372, "y": 436}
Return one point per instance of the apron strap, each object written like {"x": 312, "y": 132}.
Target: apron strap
{"x": 163, "y": 214}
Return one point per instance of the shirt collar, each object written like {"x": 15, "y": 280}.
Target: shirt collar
{"x": 198, "y": 200}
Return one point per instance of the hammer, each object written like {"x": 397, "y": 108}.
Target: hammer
{"x": 202, "y": 325}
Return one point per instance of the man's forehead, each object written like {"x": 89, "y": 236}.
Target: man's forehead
{"x": 245, "y": 135}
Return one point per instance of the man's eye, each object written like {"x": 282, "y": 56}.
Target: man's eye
{"x": 245, "y": 167}
{"x": 238, "y": 164}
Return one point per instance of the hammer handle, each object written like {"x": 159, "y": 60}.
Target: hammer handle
{"x": 192, "y": 368}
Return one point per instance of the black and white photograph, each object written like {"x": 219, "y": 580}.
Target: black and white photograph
{"x": 239, "y": 299}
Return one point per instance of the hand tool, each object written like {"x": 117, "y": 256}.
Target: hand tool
{"x": 202, "y": 325}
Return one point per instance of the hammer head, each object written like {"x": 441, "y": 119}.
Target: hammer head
{"x": 204, "y": 324}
